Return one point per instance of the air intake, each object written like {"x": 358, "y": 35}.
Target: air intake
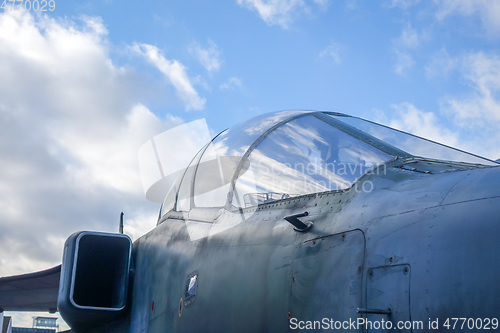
{"x": 94, "y": 277}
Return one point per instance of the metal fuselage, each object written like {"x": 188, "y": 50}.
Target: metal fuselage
{"x": 420, "y": 241}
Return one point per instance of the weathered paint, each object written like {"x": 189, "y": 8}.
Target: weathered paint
{"x": 441, "y": 226}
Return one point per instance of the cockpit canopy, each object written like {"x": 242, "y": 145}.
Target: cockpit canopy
{"x": 287, "y": 154}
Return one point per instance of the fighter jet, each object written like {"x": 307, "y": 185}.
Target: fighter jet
{"x": 294, "y": 221}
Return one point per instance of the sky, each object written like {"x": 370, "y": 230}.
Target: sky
{"x": 84, "y": 85}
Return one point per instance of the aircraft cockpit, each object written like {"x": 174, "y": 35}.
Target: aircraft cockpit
{"x": 267, "y": 215}
{"x": 287, "y": 154}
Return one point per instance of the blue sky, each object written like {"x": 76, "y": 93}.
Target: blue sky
{"x": 84, "y": 86}
{"x": 347, "y": 56}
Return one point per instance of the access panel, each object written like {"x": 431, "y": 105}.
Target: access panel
{"x": 326, "y": 282}
{"x": 388, "y": 287}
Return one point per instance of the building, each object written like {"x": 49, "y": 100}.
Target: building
{"x": 40, "y": 325}
{"x": 32, "y": 330}
{"x": 5, "y": 324}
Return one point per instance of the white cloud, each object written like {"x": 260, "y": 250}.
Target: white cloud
{"x": 334, "y": 51}
{"x": 96, "y": 24}
{"x": 351, "y": 4}
{"x": 134, "y": 226}
{"x": 107, "y": 159}
{"x": 232, "y": 84}
{"x": 70, "y": 129}
{"x": 404, "y": 61}
{"x": 488, "y": 11}
{"x": 200, "y": 81}
{"x": 404, "y": 4}
{"x": 481, "y": 72}
{"x": 323, "y": 4}
{"x": 469, "y": 121}
{"x": 441, "y": 64}
{"x": 409, "y": 38}
{"x": 210, "y": 57}
{"x": 175, "y": 72}
{"x": 409, "y": 119}
{"x": 279, "y": 12}
{"x": 482, "y": 105}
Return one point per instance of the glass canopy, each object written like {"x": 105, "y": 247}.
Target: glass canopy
{"x": 303, "y": 156}
{"x": 292, "y": 153}
{"x": 412, "y": 144}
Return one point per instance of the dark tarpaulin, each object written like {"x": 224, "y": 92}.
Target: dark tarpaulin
{"x": 30, "y": 292}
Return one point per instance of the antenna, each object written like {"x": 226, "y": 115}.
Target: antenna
{"x": 120, "y": 230}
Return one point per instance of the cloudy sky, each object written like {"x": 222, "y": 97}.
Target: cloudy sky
{"x": 82, "y": 87}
